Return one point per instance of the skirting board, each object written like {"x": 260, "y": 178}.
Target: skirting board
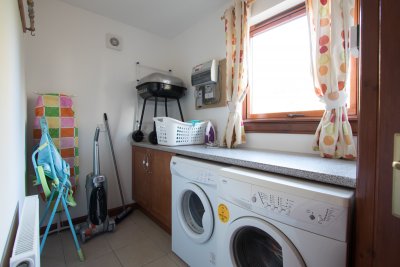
{"x": 111, "y": 212}
{"x": 5, "y": 260}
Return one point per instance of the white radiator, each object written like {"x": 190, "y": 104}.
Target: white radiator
{"x": 26, "y": 251}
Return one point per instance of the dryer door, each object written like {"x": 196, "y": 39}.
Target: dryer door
{"x": 254, "y": 242}
{"x": 195, "y": 213}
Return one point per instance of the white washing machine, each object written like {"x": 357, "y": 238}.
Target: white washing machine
{"x": 194, "y": 196}
{"x": 272, "y": 220}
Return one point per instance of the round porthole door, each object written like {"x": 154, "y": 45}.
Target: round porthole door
{"x": 255, "y": 242}
{"x": 195, "y": 213}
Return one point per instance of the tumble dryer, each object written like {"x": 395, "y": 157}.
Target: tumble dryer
{"x": 194, "y": 193}
{"x": 274, "y": 220}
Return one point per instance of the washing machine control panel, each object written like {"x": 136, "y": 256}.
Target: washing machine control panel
{"x": 307, "y": 213}
{"x": 273, "y": 202}
{"x": 205, "y": 177}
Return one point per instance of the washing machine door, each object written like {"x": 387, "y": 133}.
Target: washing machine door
{"x": 255, "y": 242}
{"x": 195, "y": 213}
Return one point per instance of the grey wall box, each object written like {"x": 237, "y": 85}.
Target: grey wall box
{"x": 221, "y": 85}
{"x": 113, "y": 41}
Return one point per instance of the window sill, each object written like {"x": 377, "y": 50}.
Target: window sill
{"x": 291, "y": 126}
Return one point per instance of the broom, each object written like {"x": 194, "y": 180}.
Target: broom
{"x": 125, "y": 210}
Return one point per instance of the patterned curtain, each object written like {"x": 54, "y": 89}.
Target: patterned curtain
{"x": 329, "y": 23}
{"x": 237, "y": 80}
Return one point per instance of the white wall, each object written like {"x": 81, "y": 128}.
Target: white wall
{"x": 202, "y": 42}
{"x": 13, "y": 119}
{"x": 68, "y": 54}
{"x": 205, "y": 41}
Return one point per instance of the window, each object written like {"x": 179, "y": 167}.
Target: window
{"x": 282, "y": 98}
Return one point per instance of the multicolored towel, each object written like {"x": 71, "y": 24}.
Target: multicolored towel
{"x": 60, "y": 116}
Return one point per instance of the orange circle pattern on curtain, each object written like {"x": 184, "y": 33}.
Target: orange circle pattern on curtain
{"x": 330, "y": 22}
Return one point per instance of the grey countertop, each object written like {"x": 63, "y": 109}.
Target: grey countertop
{"x": 305, "y": 166}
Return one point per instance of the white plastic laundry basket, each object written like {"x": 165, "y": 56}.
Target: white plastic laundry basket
{"x": 171, "y": 132}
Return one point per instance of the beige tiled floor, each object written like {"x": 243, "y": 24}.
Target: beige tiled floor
{"x": 137, "y": 241}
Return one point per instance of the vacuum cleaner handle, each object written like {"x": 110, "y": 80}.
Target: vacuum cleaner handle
{"x": 96, "y": 134}
{"x": 114, "y": 160}
{"x": 96, "y": 158}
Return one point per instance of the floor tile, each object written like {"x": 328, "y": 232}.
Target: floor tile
{"x": 178, "y": 261}
{"x": 137, "y": 214}
{"x": 50, "y": 262}
{"x": 164, "y": 261}
{"x": 92, "y": 249}
{"x": 107, "y": 260}
{"x": 53, "y": 247}
{"x": 160, "y": 238}
{"x": 139, "y": 254}
{"x": 126, "y": 233}
{"x": 140, "y": 219}
{"x": 137, "y": 241}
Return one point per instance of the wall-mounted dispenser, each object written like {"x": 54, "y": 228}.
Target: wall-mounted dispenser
{"x": 206, "y": 78}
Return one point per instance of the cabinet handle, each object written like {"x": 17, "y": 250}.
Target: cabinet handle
{"x": 147, "y": 163}
{"x": 144, "y": 165}
{"x": 396, "y": 176}
{"x": 396, "y": 165}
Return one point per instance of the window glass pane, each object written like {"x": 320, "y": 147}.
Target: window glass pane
{"x": 281, "y": 70}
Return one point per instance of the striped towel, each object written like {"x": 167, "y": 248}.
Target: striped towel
{"x": 60, "y": 116}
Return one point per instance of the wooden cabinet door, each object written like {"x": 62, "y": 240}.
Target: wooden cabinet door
{"x": 377, "y": 233}
{"x": 161, "y": 186}
{"x": 140, "y": 176}
{"x": 387, "y": 226}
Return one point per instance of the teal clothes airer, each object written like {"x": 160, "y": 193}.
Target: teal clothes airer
{"x": 49, "y": 164}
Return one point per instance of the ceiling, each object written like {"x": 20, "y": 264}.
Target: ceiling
{"x": 166, "y": 18}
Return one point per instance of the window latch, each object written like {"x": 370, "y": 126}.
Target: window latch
{"x": 291, "y": 115}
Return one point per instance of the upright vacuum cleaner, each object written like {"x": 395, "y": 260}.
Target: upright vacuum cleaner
{"x": 96, "y": 193}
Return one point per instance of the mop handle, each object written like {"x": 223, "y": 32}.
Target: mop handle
{"x": 115, "y": 162}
